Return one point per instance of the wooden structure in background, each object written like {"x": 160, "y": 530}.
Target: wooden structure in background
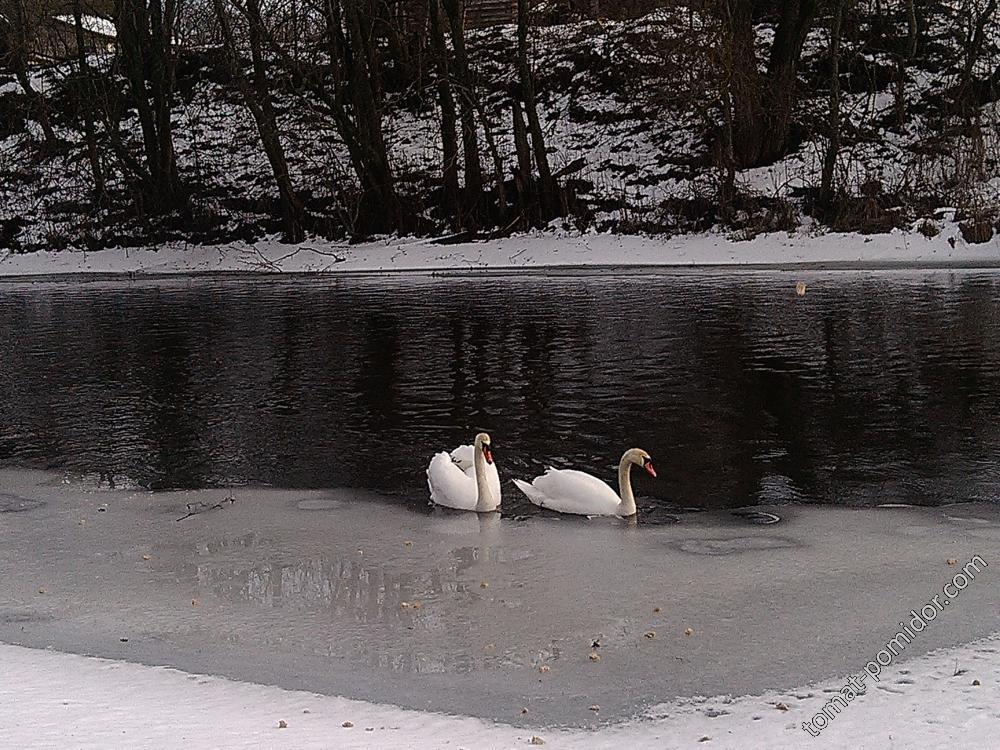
{"x": 482, "y": 13}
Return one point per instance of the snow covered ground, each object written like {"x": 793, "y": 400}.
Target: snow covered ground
{"x": 549, "y": 250}
{"x": 55, "y": 700}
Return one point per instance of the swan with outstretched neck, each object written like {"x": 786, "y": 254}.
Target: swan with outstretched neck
{"x": 571, "y": 491}
{"x": 466, "y": 478}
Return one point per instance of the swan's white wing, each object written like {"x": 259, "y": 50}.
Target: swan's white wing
{"x": 530, "y": 492}
{"x": 449, "y": 485}
{"x": 571, "y": 491}
{"x": 464, "y": 456}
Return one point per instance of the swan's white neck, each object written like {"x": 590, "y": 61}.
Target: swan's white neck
{"x": 484, "y": 496}
{"x": 627, "y": 506}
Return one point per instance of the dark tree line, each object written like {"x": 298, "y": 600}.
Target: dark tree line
{"x": 346, "y": 60}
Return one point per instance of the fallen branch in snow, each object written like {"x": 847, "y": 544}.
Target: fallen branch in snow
{"x": 267, "y": 262}
{"x": 336, "y": 258}
{"x": 274, "y": 264}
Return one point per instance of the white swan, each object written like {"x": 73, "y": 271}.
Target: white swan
{"x": 571, "y": 491}
{"x": 466, "y": 478}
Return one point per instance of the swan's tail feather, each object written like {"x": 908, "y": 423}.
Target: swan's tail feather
{"x": 530, "y": 492}
{"x": 435, "y": 497}
{"x": 430, "y": 486}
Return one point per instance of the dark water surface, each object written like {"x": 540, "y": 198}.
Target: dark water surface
{"x": 872, "y": 388}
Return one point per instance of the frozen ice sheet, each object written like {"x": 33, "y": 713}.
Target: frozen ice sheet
{"x": 336, "y": 593}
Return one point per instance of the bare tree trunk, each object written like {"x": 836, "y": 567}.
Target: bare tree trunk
{"x": 498, "y": 168}
{"x": 551, "y": 204}
{"x": 903, "y": 61}
{"x": 257, "y": 97}
{"x": 833, "y": 143}
{"x": 382, "y": 210}
{"x": 796, "y": 20}
{"x": 763, "y": 108}
{"x": 973, "y": 51}
{"x": 22, "y": 29}
{"x": 523, "y": 174}
{"x": 360, "y": 127}
{"x": 161, "y": 74}
{"x": 727, "y": 193}
{"x": 398, "y": 42}
{"x": 449, "y": 118}
{"x": 913, "y": 30}
{"x": 89, "y": 131}
{"x": 745, "y": 85}
{"x": 145, "y": 37}
{"x": 455, "y": 10}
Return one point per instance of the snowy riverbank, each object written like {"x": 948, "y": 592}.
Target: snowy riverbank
{"x": 55, "y": 700}
{"x": 540, "y": 251}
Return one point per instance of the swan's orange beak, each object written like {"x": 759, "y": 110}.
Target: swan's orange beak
{"x": 648, "y": 466}
{"x": 487, "y": 453}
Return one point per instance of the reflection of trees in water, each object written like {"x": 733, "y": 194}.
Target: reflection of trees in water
{"x": 866, "y": 389}
{"x": 346, "y": 587}
{"x": 346, "y": 591}
{"x": 873, "y": 399}
{"x": 378, "y": 380}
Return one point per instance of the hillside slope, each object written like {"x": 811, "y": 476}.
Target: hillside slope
{"x": 631, "y": 116}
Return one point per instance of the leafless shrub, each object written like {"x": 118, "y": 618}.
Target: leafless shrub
{"x": 929, "y": 228}
{"x": 978, "y": 225}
